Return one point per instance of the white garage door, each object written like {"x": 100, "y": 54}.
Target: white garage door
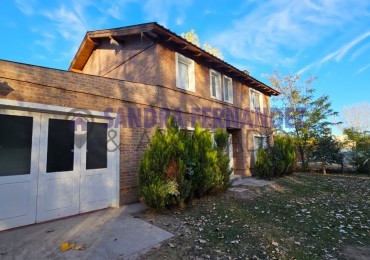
{"x": 52, "y": 167}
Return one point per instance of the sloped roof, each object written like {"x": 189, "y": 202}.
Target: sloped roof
{"x": 171, "y": 40}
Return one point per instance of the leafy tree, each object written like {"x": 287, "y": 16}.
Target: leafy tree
{"x": 192, "y": 37}
{"x": 309, "y": 116}
{"x": 327, "y": 150}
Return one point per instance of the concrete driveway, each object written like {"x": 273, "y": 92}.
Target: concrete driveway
{"x": 107, "y": 234}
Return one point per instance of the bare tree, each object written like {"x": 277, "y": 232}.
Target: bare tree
{"x": 357, "y": 117}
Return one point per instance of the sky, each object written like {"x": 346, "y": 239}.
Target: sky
{"x": 329, "y": 39}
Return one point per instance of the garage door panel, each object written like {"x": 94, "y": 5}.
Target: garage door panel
{"x": 96, "y": 188}
{"x": 19, "y": 204}
{"x": 19, "y": 152}
{"x": 59, "y": 169}
{"x": 96, "y": 167}
{"x": 60, "y": 194}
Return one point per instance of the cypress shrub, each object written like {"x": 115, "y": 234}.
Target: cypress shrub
{"x": 263, "y": 165}
{"x": 277, "y": 160}
{"x": 221, "y": 140}
{"x": 179, "y": 165}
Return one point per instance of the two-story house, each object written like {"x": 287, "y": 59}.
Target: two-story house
{"x": 71, "y": 141}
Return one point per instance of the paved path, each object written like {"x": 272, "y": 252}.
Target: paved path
{"x": 252, "y": 181}
{"x": 107, "y": 234}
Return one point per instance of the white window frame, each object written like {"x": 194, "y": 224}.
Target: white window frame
{"x": 260, "y": 99}
{"x": 219, "y": 92}
{"x": 191, "y": 72}
{"x": 230, "y": 91}
{"x": 255, "y": 148}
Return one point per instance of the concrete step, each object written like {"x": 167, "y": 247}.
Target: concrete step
{"x": 235, "y": 178}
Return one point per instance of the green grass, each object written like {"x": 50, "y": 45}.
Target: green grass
{"x": 303, "y": 216}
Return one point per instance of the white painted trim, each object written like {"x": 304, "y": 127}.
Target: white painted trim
{"x": 219, "y": 96}
{"x": 29, "y": 106}
{"x": 116, "y": 169}
{"x": 191, "y": 72}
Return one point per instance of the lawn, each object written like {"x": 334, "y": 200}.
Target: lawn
{"x": 303, "y": 216}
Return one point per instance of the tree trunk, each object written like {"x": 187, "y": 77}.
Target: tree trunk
{"x": 324, "y": 168}
{"x": 303, "y": 160}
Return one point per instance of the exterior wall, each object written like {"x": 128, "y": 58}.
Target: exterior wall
{"x": 62, "y": 88}
{"x": 167, "y": 77}
{"x": 133, "y": 101}
{"x": 134, "y": 59}
{"x": 158, "y": 64}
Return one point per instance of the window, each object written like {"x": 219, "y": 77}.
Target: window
{"x": 256, "y": 100}
{"x": 185, "y": 78}
{"x": 61, "y": 141}
{"x": 15, "y": 145}
{"x": 215, "y": 85}
{"x": 96, "y": 146}
{"x": 220, "y": 91}
{"x": 259, "y": 141}
{"x": 228, "y": 90}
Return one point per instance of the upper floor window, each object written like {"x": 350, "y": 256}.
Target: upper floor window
{"x": 185, "y": 78}
{"x": 216, "y": 84}
{"x": 228, "y": 90}
{"x": 256, "y": 100}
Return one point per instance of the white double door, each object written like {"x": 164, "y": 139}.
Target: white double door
{"x": 52, "y": 167}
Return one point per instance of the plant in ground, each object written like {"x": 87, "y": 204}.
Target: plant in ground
{"x": 179, "y": 165}
{"x": 326, "y": 151}
{"x": 276, "y": 160}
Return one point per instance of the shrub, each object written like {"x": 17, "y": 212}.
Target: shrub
{"x": 179, "y": 165}
{"x": 221, "y": 139}
{"x": 276, "y": 160}
{"x": 263, "y": 165}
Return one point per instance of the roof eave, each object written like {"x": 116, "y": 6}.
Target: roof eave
{"x": 166, "y": 37}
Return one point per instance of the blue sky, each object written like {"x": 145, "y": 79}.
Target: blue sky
{"x": 329, "y": 39}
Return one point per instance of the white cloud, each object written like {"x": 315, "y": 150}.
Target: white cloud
{"x": 280, "y": 28}
{"x": 359, "y": 51}
{"x": 338, "y": 54}
{"x": 26, "y": 6}
{"x": 68, "y": 23}
{"x": 363, "y": 68}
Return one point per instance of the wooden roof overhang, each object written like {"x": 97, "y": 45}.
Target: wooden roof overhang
{"x": 171, "y": 40}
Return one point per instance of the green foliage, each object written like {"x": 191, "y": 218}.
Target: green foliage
{"x": 263, "y": 165}
{"x": 221, "y": 140}
{"x": 276, "y": 160}
{"x": 179, "y": 165}
{"x": 326, "y": 150}
{"x": 361, "y": 150}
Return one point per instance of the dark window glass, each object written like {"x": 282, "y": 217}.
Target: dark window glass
{"x": 96, "y": 146}
{"x": 61, "y": 140}
{"x": 15, "y": 145}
